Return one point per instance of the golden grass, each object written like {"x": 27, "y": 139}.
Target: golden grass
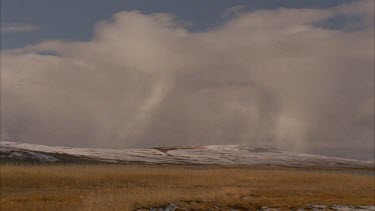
{"x": 105, "y": 187}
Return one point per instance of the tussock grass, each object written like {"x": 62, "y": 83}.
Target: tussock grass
{"x": 106, "y": 187}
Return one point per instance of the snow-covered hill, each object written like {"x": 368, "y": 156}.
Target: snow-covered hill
{"x": 212, "y": 155}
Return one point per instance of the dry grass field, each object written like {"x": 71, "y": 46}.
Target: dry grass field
{"x": 107, "y": 187}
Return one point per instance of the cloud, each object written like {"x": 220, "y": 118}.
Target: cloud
{"x": 233, "y": 11}
{"x": 269, "y": 77}
{"x": 18, "y": 28}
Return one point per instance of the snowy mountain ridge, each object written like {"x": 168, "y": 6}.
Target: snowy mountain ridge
{"x": 197, "y": 155}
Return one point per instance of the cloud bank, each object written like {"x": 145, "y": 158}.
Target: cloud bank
{"x": 268, "y": 77}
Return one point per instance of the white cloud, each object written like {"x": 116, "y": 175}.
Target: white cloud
{"x": 265, "y": 77}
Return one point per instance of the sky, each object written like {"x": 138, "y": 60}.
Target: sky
{"x": 74, "y": 20}
{"x": 297, "y": 75}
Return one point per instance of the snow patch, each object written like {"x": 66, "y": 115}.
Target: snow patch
{"x": 212, "y": 154}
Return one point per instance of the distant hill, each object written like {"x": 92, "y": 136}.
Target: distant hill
{"x": 230, "y": 155}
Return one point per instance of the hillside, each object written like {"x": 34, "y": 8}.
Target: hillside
{"x": 198, "y": 155}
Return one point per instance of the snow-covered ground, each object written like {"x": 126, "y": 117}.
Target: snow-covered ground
{"x": 212, "y": 154}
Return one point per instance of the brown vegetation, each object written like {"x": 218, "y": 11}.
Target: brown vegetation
{"x": 105, "y": 187}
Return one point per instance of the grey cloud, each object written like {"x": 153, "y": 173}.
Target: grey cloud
{"x": 18, "y": 27}
{"x": 233, "y": 11}
{"x": 267, "y": 77}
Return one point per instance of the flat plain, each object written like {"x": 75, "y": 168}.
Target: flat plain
{"x": 131, "y": 187}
